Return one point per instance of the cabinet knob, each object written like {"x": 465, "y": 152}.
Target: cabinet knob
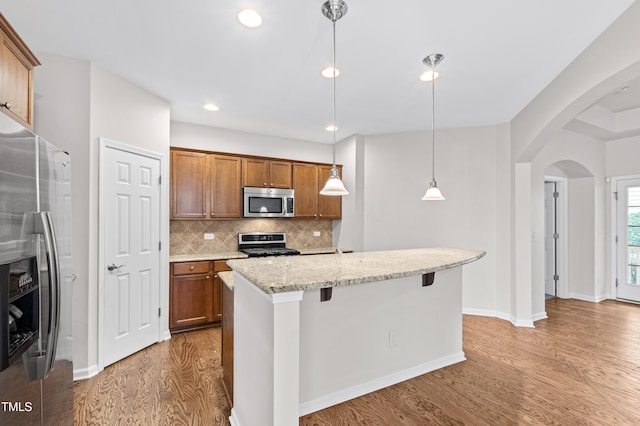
{"x": 191, "y": 268}
{"x": 204, "y": 214}
{"x": 213, "y": 214}
{"x": 6, "y": 105}
{"x": 207, "y": 276}
{"x": 320, "y": 214}
{"x": 264, "y": 183}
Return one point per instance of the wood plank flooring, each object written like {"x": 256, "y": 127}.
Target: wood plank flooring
{"x": 579, "y": 367}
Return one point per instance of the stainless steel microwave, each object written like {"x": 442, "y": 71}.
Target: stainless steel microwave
{"x": 268, "y": 202}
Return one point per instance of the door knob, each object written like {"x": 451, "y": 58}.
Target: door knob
{"x": 113, "y": 267}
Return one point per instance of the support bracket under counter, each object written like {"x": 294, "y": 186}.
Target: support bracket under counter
{"x": 428, "y": 279}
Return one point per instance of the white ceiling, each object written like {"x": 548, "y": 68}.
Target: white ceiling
{"x": 499, "y": 54}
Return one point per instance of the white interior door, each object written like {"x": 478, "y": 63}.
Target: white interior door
{"x": 628, "y": 239}
{"x": 131, "y": 247}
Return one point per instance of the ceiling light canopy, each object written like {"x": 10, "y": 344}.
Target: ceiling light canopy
{"x": 334, "y": 10}
{"x": 250, "y": 18}
{"x": 331, "y": 128}
{"x": 433, "y": 192}
{"x": 329, "y": 73}
{"x": 211, "y": 107}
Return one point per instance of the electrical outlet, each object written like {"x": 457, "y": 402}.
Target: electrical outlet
{"x": 316, "y": 233}
{"x": 209, "y": 236}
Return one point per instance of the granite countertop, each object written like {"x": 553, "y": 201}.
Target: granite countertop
{"x": 220, "y": 255}
{"x": 223, "y": 255}
{"x": 227, "y": 278}
{"x": 293, "y": 273}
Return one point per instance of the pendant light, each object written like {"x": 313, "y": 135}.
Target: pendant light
{"x": 433, "y": 193}
{"x": 334, "y": 10}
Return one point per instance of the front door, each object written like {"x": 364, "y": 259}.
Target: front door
{"x": 628, "y": 239}
{"x": 131, "y": 209}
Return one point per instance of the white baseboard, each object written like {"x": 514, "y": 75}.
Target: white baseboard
{"x": 233, "y": 419}
{"x": 85, "y": 373}
{"x": 166, "y": 335}
{"x": 500, "y": 315}
{"x": 539, "y": 316}
{"x": 377, "y": 384}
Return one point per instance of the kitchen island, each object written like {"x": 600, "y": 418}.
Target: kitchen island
{"x": 315, "y": 331}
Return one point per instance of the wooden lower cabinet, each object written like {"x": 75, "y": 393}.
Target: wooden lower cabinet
{"x": 195, "y": 295}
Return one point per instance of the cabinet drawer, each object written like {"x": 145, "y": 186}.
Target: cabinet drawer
{"x": 185, "y": 268}
{"x": 220, "y": 265}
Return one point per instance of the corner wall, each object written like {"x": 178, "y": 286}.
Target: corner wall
{"x": 77, "y": 102}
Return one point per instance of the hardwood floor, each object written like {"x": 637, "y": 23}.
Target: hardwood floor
{"x": 579, "y": 367}
{"x": 177, "y": 382}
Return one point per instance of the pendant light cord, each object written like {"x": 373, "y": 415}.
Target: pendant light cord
{"x": 334, "y": 92}
{"x": 433, "y": 120}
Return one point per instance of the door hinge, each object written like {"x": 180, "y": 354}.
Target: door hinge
{"x": 616, "y": 239}
{"x": 556, "y": 194}
{"x": 616, "y": 282}
{"x": 159, "y": 179}
{"x": 615, "y": 195}
{"x": 159, "y": 311}
{"x": 556, "y": 236}
{"x": 159, "y": 245}
{"x": 556, "y": 277}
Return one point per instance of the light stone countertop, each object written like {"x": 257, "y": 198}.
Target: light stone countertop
{"x": 294, "y": 273}
{"x": 227, "y": 278}
{"x": 220, "y": 255}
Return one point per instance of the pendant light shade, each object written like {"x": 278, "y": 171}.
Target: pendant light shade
{"x": 433, "y": 192}
{"x": 334, "y": 10}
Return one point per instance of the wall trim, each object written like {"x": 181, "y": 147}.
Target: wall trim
{"x": 86, "y": 373}
{"x": 539, "y": 316}
{"x": 233, "y": 418}
{"x": 377, "y": 384}
{"x": 587, "y": 298}
{"x": 499, "y": 315}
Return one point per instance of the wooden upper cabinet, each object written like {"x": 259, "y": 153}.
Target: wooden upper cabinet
{"x": 226, "y": 186}
{"x": 305, "y": 186}
{"x": 189, "y": 185}
{"x": 329, "y": 207}
{"x": 16, "y": 75}
{"x": 264, "y": 173}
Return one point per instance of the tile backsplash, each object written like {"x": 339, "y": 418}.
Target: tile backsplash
{"x": 187, "y": 236}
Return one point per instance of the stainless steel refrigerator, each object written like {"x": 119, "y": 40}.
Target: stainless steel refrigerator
{"x": 36, "y": 369}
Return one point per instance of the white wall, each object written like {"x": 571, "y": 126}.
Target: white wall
{"x": 622, "y": 157}
{"x": 195, "y": 136}
{"x": 582, "y": 160}
{"x": 62, "y": 117}
{"x": 78, "y": 102}
{"x": 397, "y": 170}
{"x": 349, "y": 232}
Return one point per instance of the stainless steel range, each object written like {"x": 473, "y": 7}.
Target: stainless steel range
{"x": 261, "y": 244}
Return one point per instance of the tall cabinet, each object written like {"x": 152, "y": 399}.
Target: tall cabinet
{"x": 16, "y": 75}
{"x": 308, "y": 180}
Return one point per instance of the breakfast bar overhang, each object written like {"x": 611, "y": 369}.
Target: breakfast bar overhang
{"x": 315, "y": 331}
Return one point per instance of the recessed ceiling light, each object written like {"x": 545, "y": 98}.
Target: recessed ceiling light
{"x": 427, "y": 75}
{"x": 328, "y": 72}
{"x": 331, "y": 128}
{"x": 250, "y": 18}
{"x": 211, "y": 107}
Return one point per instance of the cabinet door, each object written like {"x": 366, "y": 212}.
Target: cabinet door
{"x": 280, "y": 174}
{"x": 191, "y": 301}
{"x": 16, "y": 82}
{"x": 255, "y": 172}
{"x": 189, "y": 178}
{"x": 305, "y": 185}
{"x": 329, "y": 207}
{"x": 226, "y": 186}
